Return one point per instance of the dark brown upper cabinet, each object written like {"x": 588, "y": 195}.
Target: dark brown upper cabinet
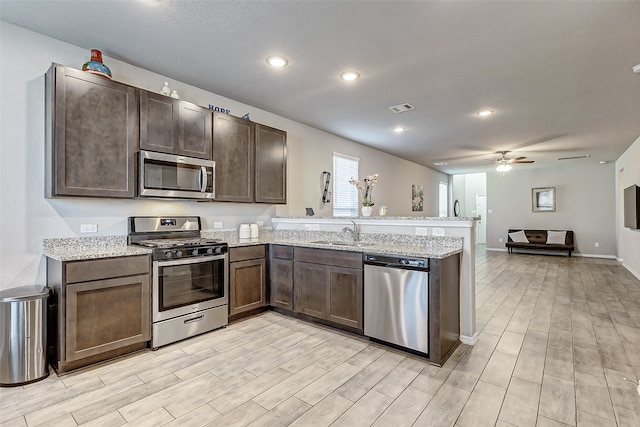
{"x": 172, "y": 126}
{"x": 91, "y": 135}
{"x": 271, "y": 165}
{"x": 251, "y": 161}
{"x": 233, "y": 151}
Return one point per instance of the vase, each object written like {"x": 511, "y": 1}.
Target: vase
{"x": 95, "y": 66}
{"x": 367, "y": 210}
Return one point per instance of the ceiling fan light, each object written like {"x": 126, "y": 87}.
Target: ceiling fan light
{"x": 503, "y": 168}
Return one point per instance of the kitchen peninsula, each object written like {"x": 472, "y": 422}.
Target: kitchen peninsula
{"x": 399, "y": 234}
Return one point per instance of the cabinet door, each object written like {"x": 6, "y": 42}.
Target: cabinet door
{"x": 282, "y": 283}
{"x": 247, "y": 285}
{"x": 158, "y": 122}
{"x": 270, "y": 165}
{"x": 94, "y": 134}
{"x": 311, "y": 289}
{"x": 345, "y": 296}
{"x": 233, "y": 153}
{"x": 105, "y": 315}
{"x": 194, "y": 131}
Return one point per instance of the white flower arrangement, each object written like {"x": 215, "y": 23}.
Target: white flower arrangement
{"x": 365, "y": 187}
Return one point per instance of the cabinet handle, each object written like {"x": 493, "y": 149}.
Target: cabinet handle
{"x": 195, "y": 319}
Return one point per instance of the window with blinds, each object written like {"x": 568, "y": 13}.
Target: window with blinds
{"x": 345, "y": 195}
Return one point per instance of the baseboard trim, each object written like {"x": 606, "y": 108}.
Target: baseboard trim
{"x": 595, "y": 256}
{"x": 464, "y": 339}
{"x": 542, "y": 252}
{"x": 635, "y": 273}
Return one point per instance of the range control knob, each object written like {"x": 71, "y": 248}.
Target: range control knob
{"x": 210, "y": 251}
{"x": 218, "y": 250}
{"x": 168, "y": 254}
{"x": 194, "y": 252}
{"x": 178, "y": 254}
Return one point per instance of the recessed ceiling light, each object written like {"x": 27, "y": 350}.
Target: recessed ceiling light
{"x": 277, "y": 61}
{"x": 603, "y": 162}
{"x": 636, "y": 69}
{"x": 349, "y": 75}
{"x": 399, "y": 129}
{"x": 485, "y": 113}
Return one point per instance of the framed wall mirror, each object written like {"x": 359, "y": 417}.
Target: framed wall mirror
{"x": 543, "y": 199}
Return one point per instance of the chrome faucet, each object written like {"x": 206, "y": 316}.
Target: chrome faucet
{"x": 355, "y": 233}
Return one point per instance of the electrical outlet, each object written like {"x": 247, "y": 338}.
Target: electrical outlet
{"x": 260, "y": 223}
{"x": 312, "y": 227}
{"x": 421, "y": 231}
{"x": 88, "y": 228}
{"x": 437, "y": 231}
{"x": 597, "y": 244}
{"x": 500, "y": 240}
{"x": 218, "y": 224}
{"x": 489, "y": 210}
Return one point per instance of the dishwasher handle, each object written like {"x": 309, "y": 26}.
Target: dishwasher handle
{"x": 395, "y": 262}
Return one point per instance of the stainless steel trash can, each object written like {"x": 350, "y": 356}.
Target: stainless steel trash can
{"x": 23, "y": 335}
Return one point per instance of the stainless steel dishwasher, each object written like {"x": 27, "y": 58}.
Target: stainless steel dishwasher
{"x": 396, "y": 301}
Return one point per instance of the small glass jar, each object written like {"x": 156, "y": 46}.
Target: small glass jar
{"x": 382, "y": 211}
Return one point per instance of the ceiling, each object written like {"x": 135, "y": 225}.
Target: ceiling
{"x": 557, "y": 74}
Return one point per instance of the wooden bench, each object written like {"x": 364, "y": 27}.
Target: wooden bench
{"x": 538, "y": 241}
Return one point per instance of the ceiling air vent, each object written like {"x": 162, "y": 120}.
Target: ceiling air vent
{"x": 583, "y": 156}
{"x": 401, "y": 108}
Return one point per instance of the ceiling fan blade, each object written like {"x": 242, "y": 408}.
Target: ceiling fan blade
{"x": 523, "y": 161}
{"x": 519, "y": 158}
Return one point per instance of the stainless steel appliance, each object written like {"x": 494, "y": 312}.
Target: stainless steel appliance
{"x": 396, "y": 301}
{"x": 171, "y": 176}
{"x": 190, "y": 286}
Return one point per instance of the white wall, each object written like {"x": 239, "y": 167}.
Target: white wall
{"x": 628, "y": 173}
{"x": 26, "y": 217}
{"x": 585, "y": 203}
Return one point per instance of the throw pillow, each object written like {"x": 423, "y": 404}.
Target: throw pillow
{"x": 519, "y": 237}
{"x": 556, "y": 237}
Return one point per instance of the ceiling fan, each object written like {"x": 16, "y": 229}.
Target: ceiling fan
{"x": 504, "y": 163}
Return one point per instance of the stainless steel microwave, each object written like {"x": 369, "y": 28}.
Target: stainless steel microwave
{"x": 171, "y": 176}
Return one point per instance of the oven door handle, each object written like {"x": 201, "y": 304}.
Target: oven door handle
{"x": 195, "y": 260}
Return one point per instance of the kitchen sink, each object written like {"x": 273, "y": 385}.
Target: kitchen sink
{"x": 334, "y": 243}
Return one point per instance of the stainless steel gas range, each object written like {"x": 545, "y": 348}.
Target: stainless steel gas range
{"x": 190, "y": 287}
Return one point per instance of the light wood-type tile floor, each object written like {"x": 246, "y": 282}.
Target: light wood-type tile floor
{"x": 557, "y": 335}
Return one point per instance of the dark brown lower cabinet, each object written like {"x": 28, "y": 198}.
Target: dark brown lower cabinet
{"x": 247, "y": 279}
{"x": 102, "y": 309}
{"x": 328, "y": 286}
{"x": 281, "y": 268}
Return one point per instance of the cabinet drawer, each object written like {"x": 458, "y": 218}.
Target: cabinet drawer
{"x": 329, "y": 257}
{"x": 281, "y": 251}
{"x": 246, "y": 252}
{"x": 85, "y": 271}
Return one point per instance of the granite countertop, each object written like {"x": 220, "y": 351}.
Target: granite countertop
{"x": 381, "y": 244}
{"x": 385, "y": 217}
{"x": 83, "y": 248}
